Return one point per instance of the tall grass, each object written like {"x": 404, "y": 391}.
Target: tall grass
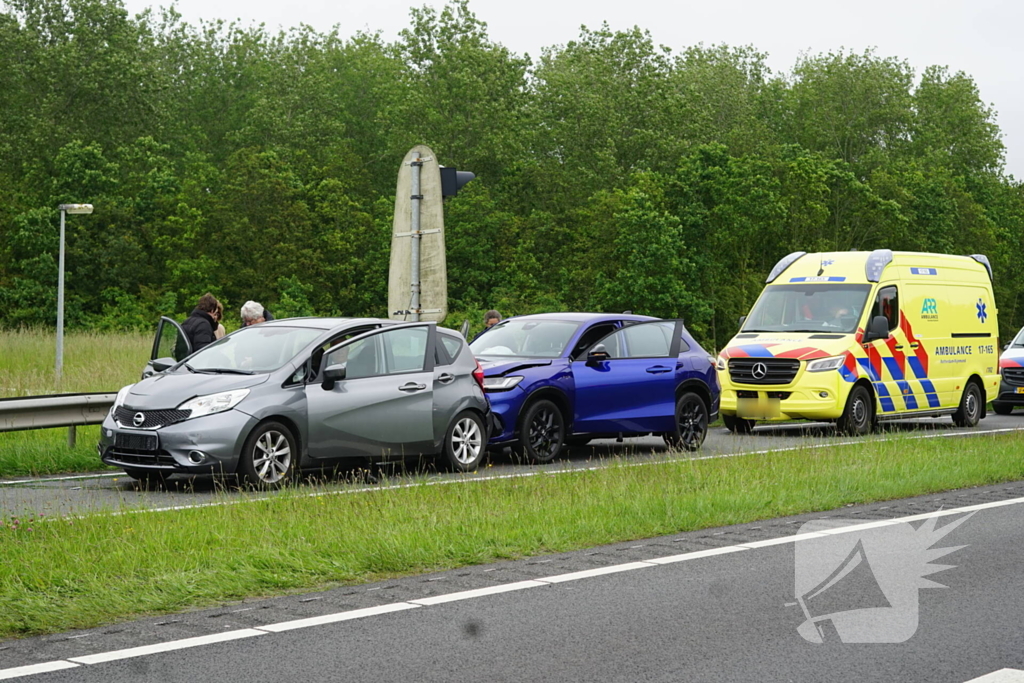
{"x": 93, "y": 362}
{"x": 62, "y": 574}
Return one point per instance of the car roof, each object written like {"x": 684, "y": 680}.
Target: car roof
{"x": 583, "y": 317}
{"x": 324, "y": 323}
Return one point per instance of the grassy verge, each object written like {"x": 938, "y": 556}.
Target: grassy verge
{"x": 45, "y": 451}
{"x": 62, "y": 574}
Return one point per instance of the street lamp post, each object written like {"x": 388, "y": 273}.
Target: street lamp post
{"x": 64, "y": 209}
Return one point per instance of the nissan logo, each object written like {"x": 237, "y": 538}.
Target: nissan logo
{"x": 759, "y": 370}
{"x": 139, "y": 419}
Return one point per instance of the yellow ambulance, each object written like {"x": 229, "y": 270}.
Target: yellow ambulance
{"x": 861, "y": 337}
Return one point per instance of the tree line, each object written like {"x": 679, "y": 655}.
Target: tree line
{"x": 612, "y": 173}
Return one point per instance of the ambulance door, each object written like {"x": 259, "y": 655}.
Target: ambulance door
{"x": 886, "y": 363}
{"x": 927, "y": 313}
{"x": 973, "y": 338}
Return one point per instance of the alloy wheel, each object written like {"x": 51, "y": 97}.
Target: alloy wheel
{"x": 272, "y": 457}
{"x": 545, "y": 433}
{"x": 467, "y": 441}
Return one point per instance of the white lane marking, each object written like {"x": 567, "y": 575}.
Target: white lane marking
{"x": 470, "y": 478}
{"x": 1001, "y": 676}
{"x": 31, "y": 669}
{"x": 170, "y": 645}
{"x": 338, "y": 616}
{"x": 698, "y": 554}
{"x": 783, "y": 539}
{"x": 481, "y": 592}
{"x": 600, "y": 571}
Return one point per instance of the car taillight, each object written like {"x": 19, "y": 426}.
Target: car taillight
{"x": 478, "y": 375}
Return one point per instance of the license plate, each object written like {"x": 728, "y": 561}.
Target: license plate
{"x": 761, "y": 408}
{"x": 136, "y": 442}
{"x": 1020, "y": 390}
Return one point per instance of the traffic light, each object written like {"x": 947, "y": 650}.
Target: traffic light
{"x": 453, "y": 180}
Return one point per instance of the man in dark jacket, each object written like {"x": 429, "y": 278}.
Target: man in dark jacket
{"x": 200, "y": 325}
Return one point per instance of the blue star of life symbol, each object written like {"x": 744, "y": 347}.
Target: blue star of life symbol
{"x": 827, "y": 262}
{"x": 982, "y": 315}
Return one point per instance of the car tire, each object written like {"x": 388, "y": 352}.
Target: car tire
{"x": 149, "y": 478}
{"x": 691, "y": 423}
{"x": 541, "y": 432}
{"x": 858, "y": 418}
{"x": 738, "y": 425}
{"x": 269, "y": 457}
{"x": 465, "y": 443}
{"x": 969, "y": 412}
{"x": 1002, "y": 408}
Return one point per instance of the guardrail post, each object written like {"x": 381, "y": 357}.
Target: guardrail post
{"x": 72, "y": 436}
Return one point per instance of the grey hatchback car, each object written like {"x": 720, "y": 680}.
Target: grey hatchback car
{"x": 272, "y": 399}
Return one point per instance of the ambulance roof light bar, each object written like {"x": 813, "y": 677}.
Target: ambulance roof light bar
{"x": 983, "y": 260}
{"x": 781, "y": 266}
{"x": 876, "y": 263}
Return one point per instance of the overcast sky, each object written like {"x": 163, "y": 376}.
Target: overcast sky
{"x": 979, "y": 37}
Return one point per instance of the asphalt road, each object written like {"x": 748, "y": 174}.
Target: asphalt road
{"x": 725, "y": 617}
{"x": 80, "y": 494}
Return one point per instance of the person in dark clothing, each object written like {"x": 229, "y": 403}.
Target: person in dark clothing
{"x": 491, "y": 318}
{"x": 201, "y": 325}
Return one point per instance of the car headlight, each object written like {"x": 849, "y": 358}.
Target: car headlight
{"x": 214, "y": 403}
{"x": 121, "y": 397}
{"x": 823, "y": 364}
{"x": 721, "y": 363}
{"x": 501, "y": 383}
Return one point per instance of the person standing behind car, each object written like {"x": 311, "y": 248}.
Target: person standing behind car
{"x": 219, "y": 318}
{"x": 491, "y": 318}
{"x": 200, "y": 327}
{"x": 253, "y": 313}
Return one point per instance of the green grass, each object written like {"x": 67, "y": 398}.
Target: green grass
{"x": 63, "y": 574}
{"x": 93, "y": 362}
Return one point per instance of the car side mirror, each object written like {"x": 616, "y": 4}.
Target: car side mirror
{"x": 161, "y": 364}
{"x": 742, "y": 319}
{"x": 332, "y": 374}
{"x": 878, "y": 328}
{"x": 597, "y": 354}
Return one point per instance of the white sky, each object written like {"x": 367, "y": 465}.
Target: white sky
{"x": 979, "y": 37}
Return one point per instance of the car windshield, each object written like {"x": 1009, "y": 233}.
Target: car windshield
{"x": 525, "y": 339}
{"x": 1019, "y": 341}
{"x": 808, "y": 308}
{"x": 255, "y": 349}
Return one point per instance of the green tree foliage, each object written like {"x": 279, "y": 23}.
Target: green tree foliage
{"x": 612, "y": 173}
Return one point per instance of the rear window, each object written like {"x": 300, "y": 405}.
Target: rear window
{"x": 452, "y": 345}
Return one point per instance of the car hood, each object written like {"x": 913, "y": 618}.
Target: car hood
{"x": 1012, "y": 357}
{"x": 782, "y": 345}
{"x": 496, "y": 367}
{"x": 173, "y": 389}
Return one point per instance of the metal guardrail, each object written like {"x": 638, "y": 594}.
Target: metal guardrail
{"x": 48, "y": 412}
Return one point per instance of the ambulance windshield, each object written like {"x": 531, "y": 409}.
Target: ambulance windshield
{"x": 830, "y": 308}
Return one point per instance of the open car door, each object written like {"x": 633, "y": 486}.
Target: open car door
{"x": 169, "y": 346}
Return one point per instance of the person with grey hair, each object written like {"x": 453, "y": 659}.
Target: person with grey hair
{"x": 253, "y": 313}
{"x": 491, "y": 318}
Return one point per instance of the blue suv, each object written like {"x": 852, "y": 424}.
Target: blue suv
{"x": 557, "y": 379}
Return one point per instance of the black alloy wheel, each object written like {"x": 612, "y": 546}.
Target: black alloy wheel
{"x": 691, "y": 423}
{"x": 541, "y": 432}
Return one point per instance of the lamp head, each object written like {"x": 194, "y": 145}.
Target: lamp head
{"x": 76, "y": 208}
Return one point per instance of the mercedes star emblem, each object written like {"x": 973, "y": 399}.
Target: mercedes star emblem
{"x": 759, "y": 370}
{"x": 138, "y": 419}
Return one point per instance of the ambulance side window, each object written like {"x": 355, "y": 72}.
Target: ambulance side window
{"x": 887, "y": 304}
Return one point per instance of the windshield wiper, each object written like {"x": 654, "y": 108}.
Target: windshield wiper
{"x": 189, "y": 367}
{"x": 225, "y": 371}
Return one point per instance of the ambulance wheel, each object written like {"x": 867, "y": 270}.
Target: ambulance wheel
{"x": 859, "y": 417}
{"x": 738, "y": 425}
{"x": 969, "y": 412}
{"x": 1002, "y": 408}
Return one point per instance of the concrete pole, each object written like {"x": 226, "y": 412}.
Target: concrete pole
{"x": 416, "y": 237}
{"x": 60, "y": 304}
